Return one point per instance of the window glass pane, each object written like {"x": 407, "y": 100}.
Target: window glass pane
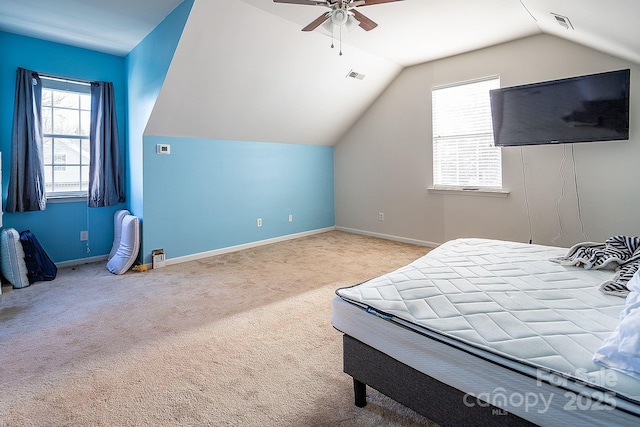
{"x": 84, "y": 185}
{"x": 66, "y": 99}
{"x": 84, "y": 152}
{"x": 66, "y": 122}
{"x": 85, "y": 122}
{"x": 67, "y": 180}
{"x": 46, "y": 97}
{"x": 48, "y": 177}
{"x": 47, "y": 114}
{"x": 47, "y": 146}
{"x": 59, "y": 162}
{"x": 66, "y": 112}
{"x": 68, "y": 149}
{"x": 85, "y": 102}
{"x": 463, "y": 150}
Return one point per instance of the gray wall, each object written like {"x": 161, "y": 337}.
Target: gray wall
{"x": 384, "y": 163}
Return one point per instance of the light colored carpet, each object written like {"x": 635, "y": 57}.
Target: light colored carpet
{"x": 241, "y": 339}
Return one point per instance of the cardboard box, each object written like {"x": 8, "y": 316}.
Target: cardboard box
{"x": 157, "y": 258}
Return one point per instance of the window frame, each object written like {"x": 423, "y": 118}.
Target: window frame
{"x": 74, "y": 86}
{"x": 460, "y": 187}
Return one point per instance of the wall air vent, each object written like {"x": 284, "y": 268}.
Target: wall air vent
{"x": 355, "y": 75}
{"x": 563, "y": 21}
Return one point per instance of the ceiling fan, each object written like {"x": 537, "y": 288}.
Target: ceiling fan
{"x": 341, "y": 13}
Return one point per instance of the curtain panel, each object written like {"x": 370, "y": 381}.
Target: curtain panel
{"x": 106, "y": 186}
{"x": 26, "y": 190}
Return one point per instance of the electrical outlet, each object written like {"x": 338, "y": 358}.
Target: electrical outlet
{"x": 84, "y": 236}
{"x": 290, "y": 218}
{"x": 380, "y": 216}
{"x": 259, "y": 222}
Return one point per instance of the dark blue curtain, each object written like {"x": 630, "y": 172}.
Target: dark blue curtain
{"x": 106, "y": 187}
{"x": 26, "y": 178}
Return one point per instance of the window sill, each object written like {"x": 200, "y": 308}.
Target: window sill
{"x": 484, "y": 192}
{"x": 66, "y": 199}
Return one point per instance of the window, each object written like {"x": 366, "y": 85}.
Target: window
{"x": 59, "y": 160}
{"x": 66, "y": 117}
{"x": 463, "y": 151}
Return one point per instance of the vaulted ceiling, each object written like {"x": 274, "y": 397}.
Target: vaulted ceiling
{"x": 409, "y": 31}
{"x": 288, "y": 85}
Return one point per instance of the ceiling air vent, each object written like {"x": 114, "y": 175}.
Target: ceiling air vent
{"x": 563, "y": 21}
{"x": 355, "y": 75}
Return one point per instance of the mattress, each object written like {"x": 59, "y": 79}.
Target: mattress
{"x": 489, "y": 316}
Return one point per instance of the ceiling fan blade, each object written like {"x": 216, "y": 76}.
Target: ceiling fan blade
{"x": 305, "y": 2}
{"x": 365, "y": 23}
{"x": 317, "y": 22}
{"x": 372, "y": 2}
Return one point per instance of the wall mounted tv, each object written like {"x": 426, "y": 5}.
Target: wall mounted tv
{"x": 587, "y": 108}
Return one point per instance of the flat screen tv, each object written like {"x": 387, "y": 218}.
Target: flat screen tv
{"x": 587, "y": 108}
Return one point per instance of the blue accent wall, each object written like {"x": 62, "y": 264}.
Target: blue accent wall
{"x": 147, "y": 65}
{"x": 58, "y": 227}
{"x": 205, "y": 195}
{"x": 208, "y": 194}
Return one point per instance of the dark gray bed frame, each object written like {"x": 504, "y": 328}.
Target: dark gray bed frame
{"x": 427, "y": 396}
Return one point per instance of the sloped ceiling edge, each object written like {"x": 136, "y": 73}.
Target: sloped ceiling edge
{"x": 241, "y": 74}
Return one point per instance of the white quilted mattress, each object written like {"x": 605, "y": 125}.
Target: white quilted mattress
{"x": 505, "y": 299}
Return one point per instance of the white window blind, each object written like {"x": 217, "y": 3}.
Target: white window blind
{"x": 463, "y": 151}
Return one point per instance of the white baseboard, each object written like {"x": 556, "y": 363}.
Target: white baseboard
{"x": 250, "y": 245}
{"x": 80, "y": 261}
{"x": 389, "y": 237}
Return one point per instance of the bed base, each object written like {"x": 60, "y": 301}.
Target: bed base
{"x": 427, "y": 396}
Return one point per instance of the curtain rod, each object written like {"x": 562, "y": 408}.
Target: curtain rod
{"x": 69, "y": 79}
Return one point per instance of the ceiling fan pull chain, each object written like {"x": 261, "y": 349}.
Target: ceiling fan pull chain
{"x": 340, "y": 40}
{"x": 332, "y": 37}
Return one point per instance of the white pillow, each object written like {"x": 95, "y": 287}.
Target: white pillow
{"x": 117, "y": 230}
{"x": 621, "y": 350}
{"x": 12, "y": 262}
{"x": 127, "y": 251}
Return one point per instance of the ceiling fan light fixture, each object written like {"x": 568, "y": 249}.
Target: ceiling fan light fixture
{"x": 328, "y": 26}
{"x": 341, "y": 12}
{"x": 339, "y": 17}
{"x": 351, "y": 23}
